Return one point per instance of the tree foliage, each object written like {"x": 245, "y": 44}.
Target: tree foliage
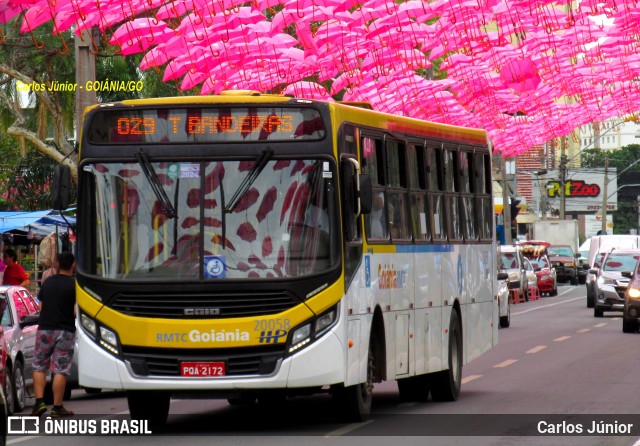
{"x": 37, "y": 125}
{"x": 626, "y": 162}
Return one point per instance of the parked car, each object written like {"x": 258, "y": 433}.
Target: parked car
{"x": 563, "y": 260}
{"x": 4, "y": 417}
{"x": 631, "y": 311}
{"x": 547, "y": 280}
{"x": 536, "y": 252}
{"x": 19, "y": 322}
{"x": 613, "y": 280}
{"x": 582, "y": 262}
{"x": 4, "y": 349}
{"x": 592, "y": 276}
{"x": 504, "y": 304}
{"x": 532, "y": 279}
{"x": 512, "y": 261}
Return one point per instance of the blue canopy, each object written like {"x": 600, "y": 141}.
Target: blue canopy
{"x": 39, "y": 222}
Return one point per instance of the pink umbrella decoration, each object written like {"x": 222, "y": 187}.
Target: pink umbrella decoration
{"x": 499, "y": 56}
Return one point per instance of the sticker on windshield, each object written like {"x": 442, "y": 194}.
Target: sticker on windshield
{"x": 189, "y": 170}
{"x": 215, "y": 267}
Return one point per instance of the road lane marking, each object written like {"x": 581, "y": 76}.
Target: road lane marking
{"x": 470, "y": 378}
{"x": 536, "y": 349}
{"x": 18, "y": 440}
{"x": 346, "y": 429}
{"x": 506, "y": 363}
{"x": 538, "y": 307}
{"x": 584, "y": 330}
{"x": 561, "y": 338}
{"x": 601, "y": 324}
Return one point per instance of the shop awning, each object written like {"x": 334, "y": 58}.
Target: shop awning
{"x": 39, "y": 222}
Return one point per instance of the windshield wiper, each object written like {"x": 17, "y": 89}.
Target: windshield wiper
{"x": 255, "y": 171}
{"x": 156, "y": 187}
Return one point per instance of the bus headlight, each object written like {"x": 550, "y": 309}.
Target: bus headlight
{"x": 312, "y": 330}
{"x": 301, "y": 334}
{"x": 101, "y": 335}
{"x": 88, "y": 324}
{"x": 108, "y": 340}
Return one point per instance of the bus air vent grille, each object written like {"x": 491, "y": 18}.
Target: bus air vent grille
{"x": 202, "y": 305}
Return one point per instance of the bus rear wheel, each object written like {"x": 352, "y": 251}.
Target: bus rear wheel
{"x": 354, "y": 402}
{"x": 445, "y": 385}
{"x": 151, "y": 405}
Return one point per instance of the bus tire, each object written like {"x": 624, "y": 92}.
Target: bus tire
{"x": 505, "y": 321}
{"x": 445, "y": 385}
{"x": 354, "y": 402}
{"x": 151, "y": 405}
{"x": 413, "y": 389}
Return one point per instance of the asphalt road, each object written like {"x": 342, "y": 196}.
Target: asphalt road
{"x": 555, "y": 369}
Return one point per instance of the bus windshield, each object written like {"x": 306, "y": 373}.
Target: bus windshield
{"x": 176, "y": 220}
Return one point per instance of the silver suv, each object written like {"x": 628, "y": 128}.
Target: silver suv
{"x": 613, "y": 280}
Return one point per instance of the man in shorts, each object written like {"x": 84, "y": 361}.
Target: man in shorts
{"x": 55, "y": 338}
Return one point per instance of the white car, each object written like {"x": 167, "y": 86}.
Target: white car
{"x": 504, "y": 305}
{"x": 512, "y": 261}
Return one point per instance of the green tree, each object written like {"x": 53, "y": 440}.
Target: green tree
{"x": 39, "y": 120}
{"x": 622, "y": 160}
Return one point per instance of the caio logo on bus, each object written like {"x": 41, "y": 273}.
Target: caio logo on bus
{"x": 573, "y": 188}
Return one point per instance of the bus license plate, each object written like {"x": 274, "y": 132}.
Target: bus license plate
{"x": 202, "y": 369}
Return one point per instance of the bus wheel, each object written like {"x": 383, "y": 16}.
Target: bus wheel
{"x": 354, "y": 402}
{"x": 445, "y": 385}
{"x": 151, "y": 405}
{"x": 415, "y": 388}
{"x": 505, "y": 321}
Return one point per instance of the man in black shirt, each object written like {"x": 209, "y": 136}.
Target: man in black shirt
{"x": 55, "y": 338}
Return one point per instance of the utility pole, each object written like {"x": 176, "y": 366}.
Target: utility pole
{"x": 506, "y": 206}
{"x": 85, "y": 71}
{"x": 563, "y": 178}
{"x": 604, "y": 194}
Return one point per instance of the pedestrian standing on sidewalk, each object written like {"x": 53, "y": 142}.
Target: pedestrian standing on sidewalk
{"x": 14, "y": 273}
{"x": 55, "y": 338}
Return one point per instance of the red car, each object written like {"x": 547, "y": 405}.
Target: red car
{"x": 547, "y": 279}
{"x": 536, "y": 252}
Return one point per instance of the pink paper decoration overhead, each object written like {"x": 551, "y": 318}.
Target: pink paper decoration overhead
{"x": 525, "y": 70}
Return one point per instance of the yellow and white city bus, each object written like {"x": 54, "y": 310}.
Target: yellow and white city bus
{"x": 249, "y": 246}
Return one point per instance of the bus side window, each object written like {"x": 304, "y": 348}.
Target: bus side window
{"x": 420, "y": 223}
{"x": 436, "y": 196}
{"x": 482, "y": 168}
{"x": 467, "y": 188}
{"x": 397, "y": 190}
{"x": 373, "y": 165}
{"x": 452, "y": 191}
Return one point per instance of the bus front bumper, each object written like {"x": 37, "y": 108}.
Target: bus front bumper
{"x": 322, "y": 363}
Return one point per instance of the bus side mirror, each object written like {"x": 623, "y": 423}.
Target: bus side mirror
{"x": 366, "y": 194}
{"x": 61, "y": 187}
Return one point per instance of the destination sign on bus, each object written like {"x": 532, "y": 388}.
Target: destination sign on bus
{"x": 205, "y": 125}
